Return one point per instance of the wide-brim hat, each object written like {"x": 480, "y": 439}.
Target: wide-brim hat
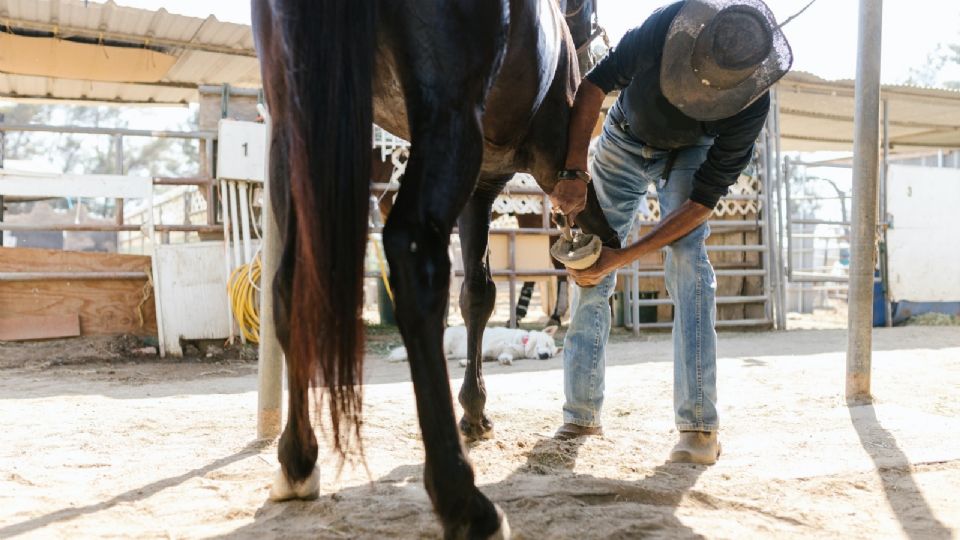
{"x": 685, "y": 86}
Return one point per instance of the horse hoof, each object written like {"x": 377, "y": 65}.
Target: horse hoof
{"x": 283, "y": 490}
{"x": 469, "y": 530}
{"x": 476, "y": 432}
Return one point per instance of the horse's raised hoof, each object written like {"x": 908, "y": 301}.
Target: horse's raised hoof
{"x": 283, "y": 490}
{"x": 473, "y": 432}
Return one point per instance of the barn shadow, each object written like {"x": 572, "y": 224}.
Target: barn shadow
{"x": 131, "y": 496}
{"x": 543, "y": 498}
{"x": 911, "y": 508}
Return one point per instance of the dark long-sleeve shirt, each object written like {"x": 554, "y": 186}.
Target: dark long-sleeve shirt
{"x": 634, "y": 67}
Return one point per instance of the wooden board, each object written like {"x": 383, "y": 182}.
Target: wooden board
{"x": 63, "y": 59}
{"x": 75, "y": 185}
{"x": 53, "y": 260}
{"x": 532, "y": 252}
{"x": 40, "y": 327}
{"x": 105, "y": 307}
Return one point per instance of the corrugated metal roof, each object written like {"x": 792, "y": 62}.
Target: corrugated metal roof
{"x": 817, "y": 114}
{"x": 208, "y": 51}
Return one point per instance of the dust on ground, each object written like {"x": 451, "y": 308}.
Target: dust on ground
{"x": 96, "y": 450}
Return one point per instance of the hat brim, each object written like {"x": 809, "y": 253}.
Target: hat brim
{"x": 685, "y": 90}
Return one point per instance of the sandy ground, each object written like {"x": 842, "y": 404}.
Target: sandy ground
{"x": 160, "y": 450}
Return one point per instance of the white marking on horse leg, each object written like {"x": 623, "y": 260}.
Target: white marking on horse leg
{"x": 503, "y": 533}
{"x": 283, "y": 490}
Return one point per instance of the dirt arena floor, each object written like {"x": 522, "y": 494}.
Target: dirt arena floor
{"x": 124, "y": 449}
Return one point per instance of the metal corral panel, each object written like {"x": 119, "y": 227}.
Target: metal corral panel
{"x": 193, "y": 293}
{"x": 923, "y": 250}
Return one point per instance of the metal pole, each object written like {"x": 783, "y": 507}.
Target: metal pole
{"x": 118, "y": 168}
{"x": 865, "y": 186}
{"x": 770, "y": 256}
{"x": 635, "y": 283}
{"x": 782, "y": 269}
{"x": 108, "y": 131}
{"x": 210, "y": 170}
{"x": 3, "y": 149}
{"x": 781, "y": 313}
{"x": 270, "y": 365}
{"x": 884, "y": 261}
{"x": 234, "y": 224}
{"x": 227, "y": 252}
{"x": 512, "y": 262}
{"x": 242, "y": 188}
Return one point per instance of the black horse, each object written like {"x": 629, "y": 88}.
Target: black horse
{"x": 482, "y": 89}
{"x": 581, "y": 17}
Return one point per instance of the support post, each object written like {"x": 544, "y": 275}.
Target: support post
{"x": 865, "y": 185}
{"x": 227, "y": 253}
{"x": 270, "y": 364}
{"x": 635, "y": 284}
{"x": 769, "y": 256}
{"x": 244, "y": 203}
{"x": 118, "y": 169}
{"x": 3, "y": 149}
{"x": 884, "y": 259}
{"x": 781, "y": 312}
{"x": 512, "y": 261}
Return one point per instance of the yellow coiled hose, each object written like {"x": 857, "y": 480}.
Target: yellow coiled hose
{"x": 244, "y": 293}
{"x": 245, "y": 298}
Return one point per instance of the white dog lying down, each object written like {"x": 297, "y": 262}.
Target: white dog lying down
{"x": 502, "y": 344}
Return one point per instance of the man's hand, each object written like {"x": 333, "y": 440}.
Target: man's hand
{"x": 610, "y": 260}
{"x": 570, "y": 196}
{"x": 671, "y": 228}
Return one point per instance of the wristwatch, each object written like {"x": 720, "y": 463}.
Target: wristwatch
{"x": 574, "y": 174}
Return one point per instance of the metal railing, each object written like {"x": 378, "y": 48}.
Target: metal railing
{"x": 633, "y": 273}
{"x": 204, "y": 180}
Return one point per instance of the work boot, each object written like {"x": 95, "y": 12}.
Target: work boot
{"x": 573, "y": 431}
{"x": 700, "y": 447}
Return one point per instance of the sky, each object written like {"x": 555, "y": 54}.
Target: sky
{"x": 824, "y": 39}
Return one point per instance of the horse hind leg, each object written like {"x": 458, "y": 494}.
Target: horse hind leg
{"x": 298, "y": 476}
{"x": 478, "y": 297}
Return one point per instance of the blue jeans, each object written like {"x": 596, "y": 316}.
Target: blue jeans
{"x": 622, "y": 170}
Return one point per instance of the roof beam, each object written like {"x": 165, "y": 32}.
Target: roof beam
{"x": 843, "y": 89}
{"x": 133, "y": 39}
{"x": 893, "y": 142}
{"x": 843, "y": 118}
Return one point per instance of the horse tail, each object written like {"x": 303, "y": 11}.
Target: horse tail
{"x": 328, "y": 59}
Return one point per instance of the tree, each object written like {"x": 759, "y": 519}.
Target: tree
{"x": 96, "y": 154}
{"x": 932, "y": 73}
{"x": 80, "y": 153}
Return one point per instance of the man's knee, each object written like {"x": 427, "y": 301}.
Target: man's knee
{"x": 692, "y": 245}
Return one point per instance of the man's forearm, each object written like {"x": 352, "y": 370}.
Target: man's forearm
{"x": 688, "y": 217}
{"x": 583, "y": 118}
